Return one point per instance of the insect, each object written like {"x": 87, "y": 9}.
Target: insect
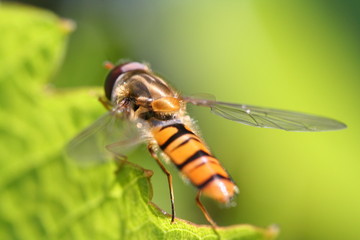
{"x": 144, "y": 108}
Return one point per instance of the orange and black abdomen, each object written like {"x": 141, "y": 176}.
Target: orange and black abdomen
{"x": 194, "y": 160}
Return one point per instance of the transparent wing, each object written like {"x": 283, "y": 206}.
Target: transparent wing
{"x": 267, "y": 117}
{"x": 109, "y": 134}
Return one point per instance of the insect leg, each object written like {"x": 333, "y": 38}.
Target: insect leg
{"x": 204, "y": 211}
{"x": 116, "y": 149}
{"x": 106, "y": 103}
{"x": 120, "y": 160}
{"x": 109, "y": 65}
{"x": 169, "y": 177}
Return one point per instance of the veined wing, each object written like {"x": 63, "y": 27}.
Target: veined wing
{"x": 90, "y": 145}
{"x": 267, "y": 117}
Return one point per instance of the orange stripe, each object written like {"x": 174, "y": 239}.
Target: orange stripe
{"x": 191, "y": 166}
{"x": 181, "y": 154}
{"x": 161, "y": 136}
{"x": 180, "y": 140}
{"x": 202, "y": 173}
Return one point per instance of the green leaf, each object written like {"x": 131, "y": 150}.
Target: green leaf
{"x": 43, "y": 196}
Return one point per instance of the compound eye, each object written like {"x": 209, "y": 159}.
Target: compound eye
{"x": 115, "y": 73}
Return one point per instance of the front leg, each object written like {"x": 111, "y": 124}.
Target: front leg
{"x": 105, "y": 102}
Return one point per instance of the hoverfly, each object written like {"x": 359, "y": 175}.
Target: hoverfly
{"x": 144, "y": 108}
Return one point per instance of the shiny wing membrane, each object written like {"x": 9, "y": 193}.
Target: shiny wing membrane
{"x": 109, "y": 135}
{"x": 267, "y": 117}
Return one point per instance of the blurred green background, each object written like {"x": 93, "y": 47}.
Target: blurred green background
{"x": 298, "y": 55}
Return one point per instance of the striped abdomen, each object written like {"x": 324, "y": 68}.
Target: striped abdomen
{"x": 194, "y": 160}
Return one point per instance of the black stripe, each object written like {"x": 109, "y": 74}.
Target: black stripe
{"x": 181, "y": 131}
{"x": 205, "y": 162}
{"x": 184, "y": 142}
{"x": 210, "y": 179}
{"x": 195, "y": 156}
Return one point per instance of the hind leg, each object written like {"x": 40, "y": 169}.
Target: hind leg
{"x": 204, "y": 211}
